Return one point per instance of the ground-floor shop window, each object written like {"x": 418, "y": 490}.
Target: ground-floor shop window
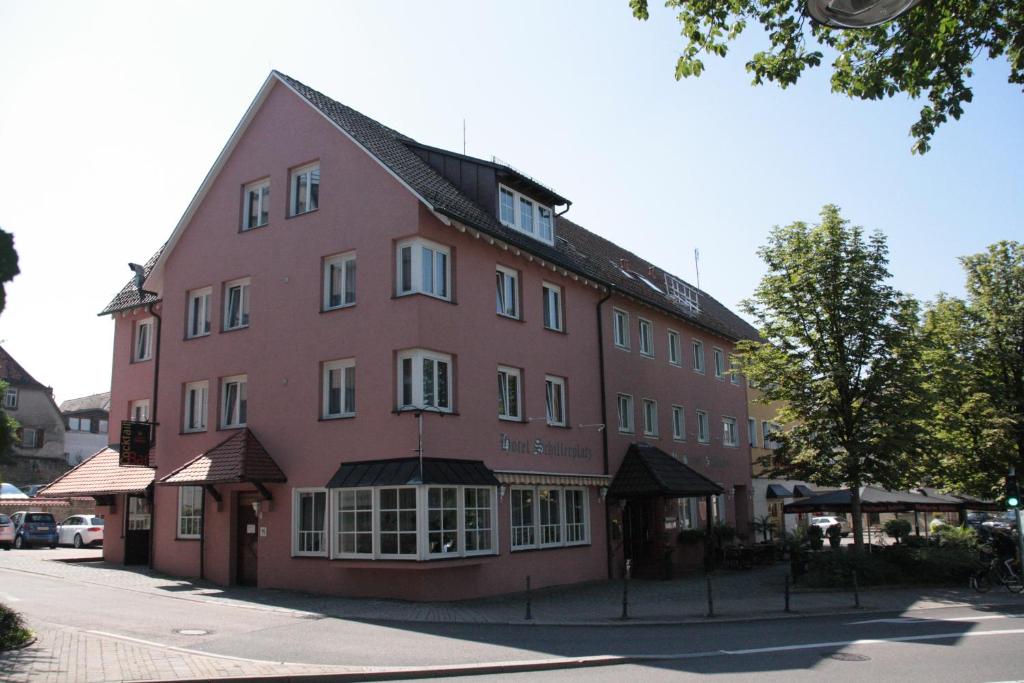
{"x": 190, "y": 511}
{"x": 310, "y": 514}
{"x": 544, "y": 516}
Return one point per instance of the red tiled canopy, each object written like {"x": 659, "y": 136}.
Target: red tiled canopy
{"x": 99, "y": 475}
{"x": 241, "y": 457}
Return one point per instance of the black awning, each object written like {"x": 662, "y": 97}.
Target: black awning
{"x": 802, "y": 491}
{"x": 648, "y": 472}
{"x": 406, "y": 472}
{"x": 778, "y": 491}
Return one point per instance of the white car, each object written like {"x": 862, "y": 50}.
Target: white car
{"x": 80, "y": 531}
{"x": 825, "y": 522}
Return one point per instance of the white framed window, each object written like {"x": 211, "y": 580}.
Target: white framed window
{"x": 524, "y": 214}
{"x": 74, "y": 424}
{"x": 305, "y": 189}
{"x": 31, "y": 438}
{"x": 718, "y": 508}
{"x": 546, "y": 517}
{"x": 507, "y": 292}
{"x": 338, "y": 387}
{"x": 650, "y": 413}
{"x": 143, "y": 348}
{"x": 767, "y": 429}
{"x": 625, "y": 402}
{"x": 674, "y": 350}
{"x": 190, "y": 511}
{"x": 234, "y": 401}
{"x": 309, "y": 525}
{"x": 555, "y": 391}
{"x": 553, "y": 307}
{"x": 425, "y": 380}
{"x": 752, "y": 431}
{"x": 698, "y": 356}
{"x": 443, "y": 520}
{"x": 730, "y": 432}
{"x": 678, "y": 423}
{"x": 646, "y": 340}
{"x": 139, "y": 410}
{"x": 198, "y": 324}
{"x": 478, "y": 516}
{"x": 353, "y": 526}
{"x": 236, "y": 304}
{"x": 257, "y": 204}
{"x": 509, "y": 393}
{"x": 703, "y": 427}
{"x": 11, "y": 398}
{"x": 719, "y": 364}
{"x": 339, "y": 281}
{"x": 396, "y": 522}
{"x": 734, "y": 375}
{"x": 196, "y": 404}
{"x": 620, "y": 328}
{"x": 423, "y": 268}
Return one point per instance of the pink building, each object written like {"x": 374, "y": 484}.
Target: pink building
{"x": 333, "y": 428}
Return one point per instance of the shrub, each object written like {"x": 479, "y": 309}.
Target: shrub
{"x": 897, "y": 528}
{"x": 816, "y": 537}
{"x": 13, "y": 632}
{"x": 894, "y": 565}
{"x": 957, "y": 537}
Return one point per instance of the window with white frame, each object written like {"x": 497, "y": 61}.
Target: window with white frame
{"x": 507, "y": 292}
{"x": 509, "y": 383}
{"x": 190, "y": 511}
{"x": 11, "y": 398}
{"x": 338, "y": 382}
{"x": 478, "y": 514}
{"x": 234, "y": 401}
{"x": 546, "y": 516}
{"x": 309, "y": 529}
{"x": 674, "y": 352}
{"x": 525, "y": 215}
{"x": 196, "y": 403}
{"x": 257, "y": 204}
{"x": 650, "y": 412}
{"x": 442, "y": 520}
{"x": 423, "y": 268}
{"x": 718, "y": 508}
{"x": 734, "y": 374}
{"x": 198, "y": 324}
{"x": 752, "y": 431}
{"x": 424, "y": 380}
{"x": 236, "y": 304}
{"x": 139, "y": 410}
{"x": 703, "y": 427}
{"x": 354, "y": 523}
{"x": 143, "y": 347}
{"x": 555, "y": 391}
{"x": 678, "y": 423}
{"x": 74, "y": 424}
{"x": 768, "y": 429}
{"x": 620, "y": 328}
{"x": 31, "y": 438}
{"x": 339, "y": 281}
{"x": 305, "y": 189}
{"x": 646, "y": 341}
{"x": 625, "y": 402}
{"x": 552, "y": 307}
{"x": 396, "y": 522}
{"x": 719, "y": 364}
{"x": 730, "y": 433}
{"x": 698, "y": 356}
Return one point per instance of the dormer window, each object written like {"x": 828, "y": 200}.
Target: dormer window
{"x": 525, "y": 215}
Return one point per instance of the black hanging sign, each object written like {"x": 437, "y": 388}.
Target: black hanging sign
{"x": 135, "y": 439}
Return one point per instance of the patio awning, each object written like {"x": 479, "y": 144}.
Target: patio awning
{"x": 99, "y": 475}
{"x": 778, "y": 491}
{"x": 239, "y": 458}
{"x": 407, "y": 472}
{"x": 874, "y": 499}
{"x": 648, "y": 472}
{"x": 965, "y": 501}
{"x": 515, "y": 477}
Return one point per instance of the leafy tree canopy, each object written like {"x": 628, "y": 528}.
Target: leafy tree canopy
{"x": 927, "y": 52}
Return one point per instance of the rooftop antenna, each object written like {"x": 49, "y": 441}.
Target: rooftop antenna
{"x": 696, "y": 263}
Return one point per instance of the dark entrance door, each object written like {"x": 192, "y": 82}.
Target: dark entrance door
{"x": 246, "y": 540}
{"x": 639, "y": 538}
{"x": 137, "y": 530}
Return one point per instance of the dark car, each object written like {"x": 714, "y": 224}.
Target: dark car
{"x": 34, "y": 528}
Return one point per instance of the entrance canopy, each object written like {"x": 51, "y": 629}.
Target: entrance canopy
{"x": 778, "y": 491}
{"x": 874, "y": 499}
{"x": 649, "y": 472}
{"x": 99, "y": 475}
{"x": 239, "y": 458}
{"x": 407, "y": 472}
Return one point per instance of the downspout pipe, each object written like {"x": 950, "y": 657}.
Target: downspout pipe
{"x": 604, "y": 432}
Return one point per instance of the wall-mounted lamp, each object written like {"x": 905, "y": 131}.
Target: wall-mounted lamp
{"x": 256, "y": 506}
{"x": 501, "y": 492}
{"x": 603, "y": 493}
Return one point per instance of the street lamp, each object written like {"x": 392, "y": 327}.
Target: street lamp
{"x": 857, "y": 13}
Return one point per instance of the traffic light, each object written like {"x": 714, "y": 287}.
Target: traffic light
{"x": 1012, "y": 492}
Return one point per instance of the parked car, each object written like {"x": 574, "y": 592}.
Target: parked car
{"x": 80, "y": 531}
{"x": 34, "y": 528}
{"x": 825, "y": 522}
{"x": 10, "y": 491}
{"x": 6, "y": 532}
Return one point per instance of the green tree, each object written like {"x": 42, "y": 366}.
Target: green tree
{"x": 841, "y": 348}
{"x": 930, "y": 51}
{"x": 8, "y": 269}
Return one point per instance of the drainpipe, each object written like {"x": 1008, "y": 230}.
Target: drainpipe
{"x": 202, "y": 535}
{"x": 604, "y": 421}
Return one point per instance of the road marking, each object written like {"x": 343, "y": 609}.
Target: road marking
{"x": 186, "y": 650}
{"x": 925, "y": 620}
{"x": 873, "y": 641}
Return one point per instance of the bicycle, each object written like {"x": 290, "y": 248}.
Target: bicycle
{"x": 997, "y": 571}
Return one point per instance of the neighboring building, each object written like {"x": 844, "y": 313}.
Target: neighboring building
{"x": 38, "y": 453}
{"x": 86, "y": 423}
{"x": 327, "y": 431}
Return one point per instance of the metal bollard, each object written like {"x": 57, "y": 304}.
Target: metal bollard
{"x": 787, "y": 592}
{"x": 529, "y": 599}
{"x": 711, "y": 600}
{"x": 856, "y": 591}
{"x": 625, "y": 589}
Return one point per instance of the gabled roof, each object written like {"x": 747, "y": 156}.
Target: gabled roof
{"x": 648, "y": 472}
{"x": 407, "y": 471}
{"x": 240, "y": 457}
{"x": 99, "y": 475}
{"x": 93, "y": 402}
{"x": 15, "y": 375}
{"x": 129, "y": 297}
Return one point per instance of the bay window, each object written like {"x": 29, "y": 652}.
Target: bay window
{"x": 424, "y": 380}
{"x": 547, "y": 516}
{"x": 422, "y": 267}
{"x": 396, "y": 515}
{"x": 354, "y": 526}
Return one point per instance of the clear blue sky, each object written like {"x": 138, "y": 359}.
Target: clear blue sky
{"x": 111, "y": 114}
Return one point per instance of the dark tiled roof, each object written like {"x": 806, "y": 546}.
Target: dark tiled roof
{"x": 128, "y": 297}
{"x": 15, "y": 375}
{"x": 99, "y": 475}
{"x": 94, "y": 402}
{"x": 404, "y": 471}
{"x": 240, "y": 457}
{"x": 647, "y": 471}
